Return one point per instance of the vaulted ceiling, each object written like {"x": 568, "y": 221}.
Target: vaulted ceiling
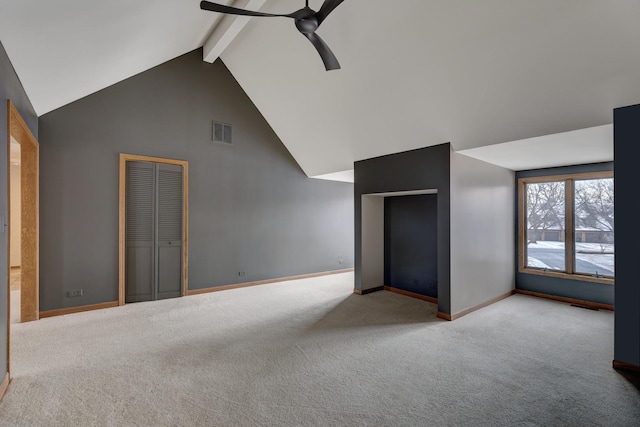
{"x": 528, "y": 83}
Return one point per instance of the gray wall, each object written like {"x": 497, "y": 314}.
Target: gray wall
{"x": 251, "y": 208}
{"x": 588, "y": 291}
{"x": 626, "y": 125}
{"x": 482, "y": 226}
{"x": 10, "y": 88}
{"x": 410, "y": 243}
{"x": 422, "y": 169}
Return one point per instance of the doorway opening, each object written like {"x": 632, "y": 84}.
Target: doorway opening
{"x": 23, "y": 159}
{"x": 399, "y": 243}
{"x": 153, "y": 228}
{"x": 15, "y": 196}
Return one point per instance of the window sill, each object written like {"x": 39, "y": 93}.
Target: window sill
{"x": 561, "y": 275}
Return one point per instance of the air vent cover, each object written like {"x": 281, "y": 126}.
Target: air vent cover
{"x": 221, "y": 132}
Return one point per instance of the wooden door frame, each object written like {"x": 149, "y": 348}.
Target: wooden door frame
{"x": 30, "y": 212}
{"x": 124, "y": 158}
{"x": 30, "y": 220}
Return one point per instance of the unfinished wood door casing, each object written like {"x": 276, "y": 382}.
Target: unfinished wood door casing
{"x": 29, "y": 175}
{"x": 30, "y": 273}
{"x": 122, "y": 217}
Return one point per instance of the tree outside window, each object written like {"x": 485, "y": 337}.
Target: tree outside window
{"x": 569, "y": 225}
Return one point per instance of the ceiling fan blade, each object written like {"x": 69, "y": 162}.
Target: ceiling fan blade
{"x": 329, "y": 59}
{"x": 326, "y": 8}
{"x": 214, "y": 7}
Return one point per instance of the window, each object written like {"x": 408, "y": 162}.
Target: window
{"x": 566, "y": 226}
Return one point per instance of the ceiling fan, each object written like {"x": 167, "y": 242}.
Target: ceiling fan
{"x": 307, "y": 22}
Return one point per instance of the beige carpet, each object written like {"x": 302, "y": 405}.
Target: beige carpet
{"x": 310, "y": 353}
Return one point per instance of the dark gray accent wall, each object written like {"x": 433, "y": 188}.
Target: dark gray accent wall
{"x": 421, "y": 169}
{"x": 626, "y": 129}
{"x": 251, "y": 207}
{"x": 10, "y": 88}
{"x": 588, "y": 291}
{"x": 410, "y": 244}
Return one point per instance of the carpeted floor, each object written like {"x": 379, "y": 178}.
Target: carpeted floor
{"x": 310, "y": 353}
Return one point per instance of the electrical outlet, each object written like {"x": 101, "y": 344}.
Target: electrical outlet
{"x": 340, "y": 260}
{"x": 74, "y": 293}
{"x": 241, "y": 273}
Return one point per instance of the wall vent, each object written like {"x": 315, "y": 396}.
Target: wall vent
{"x": 221, "y": 132}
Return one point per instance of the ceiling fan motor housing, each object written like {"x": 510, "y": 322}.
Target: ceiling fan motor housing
{"x": 306, "y": 21}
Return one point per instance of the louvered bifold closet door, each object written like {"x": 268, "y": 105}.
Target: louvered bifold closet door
{"x": 169, "y": 230}
{"x": 140, "y": 232}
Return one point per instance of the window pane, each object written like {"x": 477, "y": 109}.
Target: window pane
{"x": 594, "y": 227}
{"x": 546, "y": 225}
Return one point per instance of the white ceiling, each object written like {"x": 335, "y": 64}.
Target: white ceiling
{"x": 576, "y": 147}
{"x": 64, "y": 50}
{"x": 415, "y": 73}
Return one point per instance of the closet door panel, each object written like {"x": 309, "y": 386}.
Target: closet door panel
{"x": 169, "y": 230}
{"x": 139, "y": 232}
